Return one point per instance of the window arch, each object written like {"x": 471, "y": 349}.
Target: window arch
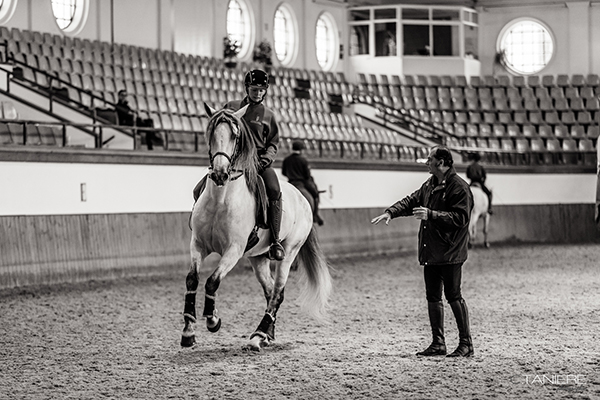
{"x": 239, "y": 25}
{"x": 7, "y": 9}
{"x": 526, "y": 46}
{"x": 70, "y": 15}
{"x": 285, "y": 33}
{"x": 326, "y": 42}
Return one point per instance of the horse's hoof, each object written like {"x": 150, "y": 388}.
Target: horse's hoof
{"x": 213, "y": 327}
{"x": 188, "y": 341}
{"x": 256, "y": 343}
{"x": 487, "y": 245}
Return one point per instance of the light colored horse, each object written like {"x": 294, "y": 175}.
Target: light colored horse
{"x": 480, "y": 209}
{"x": 224, "y": 217}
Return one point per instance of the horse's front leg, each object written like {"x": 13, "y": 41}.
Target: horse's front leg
{"x": 229, "y": 259}
{"x": 188, "y": 337}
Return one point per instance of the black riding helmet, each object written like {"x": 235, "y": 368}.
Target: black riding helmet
{"x": 257, "y": 78}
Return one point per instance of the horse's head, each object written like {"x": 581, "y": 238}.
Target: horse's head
{"x": 230, "y": 148}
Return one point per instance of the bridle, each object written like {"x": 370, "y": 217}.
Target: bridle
{"x": 236, "y": 152}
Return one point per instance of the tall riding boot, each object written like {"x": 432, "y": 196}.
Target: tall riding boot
{"x": 276, "y": 251}
{"x": 316, "y": 217}
{"x": 436, "y": 319}
{"x": 465, "y": 344}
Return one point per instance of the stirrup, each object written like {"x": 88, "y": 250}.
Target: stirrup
{"x": 276, "y": 251}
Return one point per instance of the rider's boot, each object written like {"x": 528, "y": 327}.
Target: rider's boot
{"x": 436, "y": 319}
{"x": 276, "y": 251}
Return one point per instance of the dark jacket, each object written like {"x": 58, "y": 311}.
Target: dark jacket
{"x": 264, "y": 127}
{"x": 296, "y": 168}
{"x": 444, "y": 236}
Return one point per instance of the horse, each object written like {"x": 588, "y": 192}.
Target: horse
{"x": 480, "y": 209}
{"x": 222, "y": 220}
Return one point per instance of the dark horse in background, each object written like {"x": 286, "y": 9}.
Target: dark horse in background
{"x": 223, "y": 219}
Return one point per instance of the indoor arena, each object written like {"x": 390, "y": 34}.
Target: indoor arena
{"x": 422, "y": 177}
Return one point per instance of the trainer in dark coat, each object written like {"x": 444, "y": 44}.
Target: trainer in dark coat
{"x": 443, "y": 204}
{"x": 444, "y": 236}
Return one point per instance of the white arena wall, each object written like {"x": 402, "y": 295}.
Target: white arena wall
{"x": 68, "y": 215}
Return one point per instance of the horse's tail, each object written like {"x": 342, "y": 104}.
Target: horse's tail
{"x": 317, "y": 289}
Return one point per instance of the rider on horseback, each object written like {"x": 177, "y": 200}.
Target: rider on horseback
{"x": 476, "y": 173}
{"x": 265, "y": 131}
{"x": 296, "y": 168}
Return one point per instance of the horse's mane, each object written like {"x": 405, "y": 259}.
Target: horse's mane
{"x": 246, "y": 153}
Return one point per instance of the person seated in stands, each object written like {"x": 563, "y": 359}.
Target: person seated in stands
{"x": 297, "y": 170}
{"x": 476, "y": 173}
{"x": 128, "y": 117}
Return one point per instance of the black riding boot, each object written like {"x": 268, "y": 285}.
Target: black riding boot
{"x": 465, "y": 344}
{"x": 276, "y": 251}
{"x": 436, "y": 319}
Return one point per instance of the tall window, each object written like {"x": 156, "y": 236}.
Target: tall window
{"x": 239, "y": 27}
{"x": 70, "y": 15}
{"x": 284, "y": 35}
{"x": 325, "y": 43}
{"x": 527, "y": 46}
{"x": 7, "y": 9}
{"x": 64, "y": 11}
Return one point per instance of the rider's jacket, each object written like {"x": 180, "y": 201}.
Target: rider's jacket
{"x": 444, "y": 236}
{"x": 263, "y": 124}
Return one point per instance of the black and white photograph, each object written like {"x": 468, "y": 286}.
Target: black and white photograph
{"x": 299, "y": 199}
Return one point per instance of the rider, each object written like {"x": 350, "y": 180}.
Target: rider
{"x": 476, "y": 173}
{"x": 265, "y": 131}
{"x": 296, "y": 168}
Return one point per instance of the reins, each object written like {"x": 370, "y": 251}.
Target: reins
{"x": 233, "y": 158}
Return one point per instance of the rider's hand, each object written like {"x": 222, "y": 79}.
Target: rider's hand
{"x": 265, "y": 162}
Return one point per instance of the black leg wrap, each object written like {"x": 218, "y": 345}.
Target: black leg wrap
{"x": 189, "y": 310}
{"x": 209, "y": 306}
{"x": 266, "y": 326}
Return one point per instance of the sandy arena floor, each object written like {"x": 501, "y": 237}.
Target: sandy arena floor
{"x": 535, "y": 316}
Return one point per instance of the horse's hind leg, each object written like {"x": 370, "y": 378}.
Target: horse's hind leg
{"x": 274, "y": 294}
{"x": 486, "y": 225}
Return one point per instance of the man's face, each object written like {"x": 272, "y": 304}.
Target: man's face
{"x": 433, "y": 163}
{"x": 122, "y": 96}
{"x": 256, "y": 93}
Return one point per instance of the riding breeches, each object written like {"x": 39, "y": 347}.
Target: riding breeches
{"x": 271, "y": 183}
{"x": 445, "y": 277}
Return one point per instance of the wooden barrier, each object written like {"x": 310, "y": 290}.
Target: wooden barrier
{"x": 70, "y": 248}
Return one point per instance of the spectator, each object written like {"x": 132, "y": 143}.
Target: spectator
{"x": 128, "y": 117}
{"x": 443, "y": 204}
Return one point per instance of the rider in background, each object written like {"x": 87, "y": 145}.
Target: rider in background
{"x": 265, "y": 130}
{"x": 296, "y": 168}
{"x": 476, "y": 174}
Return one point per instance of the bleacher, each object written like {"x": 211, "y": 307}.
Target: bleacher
{"x": 169, "y": 88}
{"x": 538, "y": 119}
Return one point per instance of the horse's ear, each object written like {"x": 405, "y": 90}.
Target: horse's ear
{"x": 209, "y": 110}
{"x": 240, "y": 113}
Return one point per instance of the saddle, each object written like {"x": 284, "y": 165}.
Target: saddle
{"x": 262, "y": 203}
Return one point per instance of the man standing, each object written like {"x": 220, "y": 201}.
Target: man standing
{"x": 443, "y": 204}
{"x": 296, "y": 168}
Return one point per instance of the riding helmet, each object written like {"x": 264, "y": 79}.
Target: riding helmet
{"x": 257, "y": 77}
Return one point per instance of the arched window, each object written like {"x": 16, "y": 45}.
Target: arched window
{"x": 526, "y": 46}
{"x": 70, "y": 15}
{"x": 7, "y": 9}
{"x": 325, "y": 42}
{"x": 239, "y": 25}
{"x": 284, "y": 35}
